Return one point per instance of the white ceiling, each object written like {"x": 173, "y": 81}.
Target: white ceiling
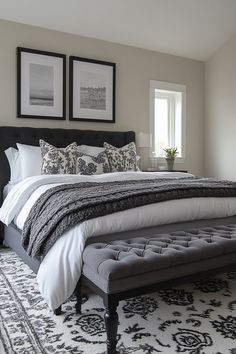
{"x": 188, "y": 28}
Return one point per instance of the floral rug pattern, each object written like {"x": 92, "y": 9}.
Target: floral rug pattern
{"x": 196, "y": 318}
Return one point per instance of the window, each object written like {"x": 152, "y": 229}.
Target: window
{"x": 167, "y": 117}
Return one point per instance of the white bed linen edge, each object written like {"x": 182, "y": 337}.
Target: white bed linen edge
{"x": 61, "y": 268}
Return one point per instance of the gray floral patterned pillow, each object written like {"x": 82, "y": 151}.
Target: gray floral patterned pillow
{"x": 92, "y": 165}
{"x": 122, "y": 159}
{"x": 58, "y": 160}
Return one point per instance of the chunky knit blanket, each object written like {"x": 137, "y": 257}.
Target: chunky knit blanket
{"x": 64, "y": 206}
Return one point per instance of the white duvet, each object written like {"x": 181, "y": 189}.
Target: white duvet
{"x": 61, "y": 268}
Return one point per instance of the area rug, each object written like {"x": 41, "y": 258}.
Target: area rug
{"x": 197, "y": 318}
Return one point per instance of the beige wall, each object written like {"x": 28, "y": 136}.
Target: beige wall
{"x": 220, "y": 115}
{"x": 135, "y": 67}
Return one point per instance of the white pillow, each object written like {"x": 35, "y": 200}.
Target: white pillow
{"x": 89, "y": 150}
{"x": 13, "y": 157}
{"x": 30, "y": 160}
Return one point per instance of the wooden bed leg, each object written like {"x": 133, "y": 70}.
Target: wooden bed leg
{"x": 57, "y": 311}
{"x": 78, "y": 293}
{"x": 111, "y": 323}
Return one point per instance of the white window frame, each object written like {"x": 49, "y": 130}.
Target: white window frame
{"x": 167, "y": 86}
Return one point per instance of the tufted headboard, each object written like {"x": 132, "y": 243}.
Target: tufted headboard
{"x": 9, "y": 136}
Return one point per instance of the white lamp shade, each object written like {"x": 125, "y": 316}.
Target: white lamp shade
{"x": 143, "y": 140}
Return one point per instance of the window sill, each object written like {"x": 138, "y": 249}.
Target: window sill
{"x": 163, "y": 160}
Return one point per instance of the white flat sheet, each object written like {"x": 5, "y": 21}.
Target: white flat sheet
{"x": 61, "y": 268}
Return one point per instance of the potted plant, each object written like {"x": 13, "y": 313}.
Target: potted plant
{"x": 170, "y": 155}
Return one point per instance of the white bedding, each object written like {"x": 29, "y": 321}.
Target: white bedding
{"x": 61, "y": 268}
{"x": 7, "y": 189}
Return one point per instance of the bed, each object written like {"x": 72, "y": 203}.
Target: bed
{"x": 11, "y": 234}
{"x": 9, "y": 136}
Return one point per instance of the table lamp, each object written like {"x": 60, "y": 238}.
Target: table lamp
{"x": 143, "y": 141}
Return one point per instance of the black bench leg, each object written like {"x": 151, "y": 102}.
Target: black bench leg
{"x": 57, "y": 311}
{"x": 78, "y": 293}
{"x": 111, "y": 323}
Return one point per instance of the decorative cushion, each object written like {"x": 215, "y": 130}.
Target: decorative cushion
{"x": 92, "y": 165}
{"x": 122, "y": 159}
{"x": 58, "y": 160}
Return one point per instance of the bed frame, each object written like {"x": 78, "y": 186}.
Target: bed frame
{"x": 9, "y": 136}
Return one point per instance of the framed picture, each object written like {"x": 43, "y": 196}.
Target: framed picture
{"x": 41, "y": 84}
{"x": 92, "y": 90}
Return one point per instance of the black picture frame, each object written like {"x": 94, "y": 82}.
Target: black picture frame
{"x": 92, "y": 103}
{"x": 41, "y": 84}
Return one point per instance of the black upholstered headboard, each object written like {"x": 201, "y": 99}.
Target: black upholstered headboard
{"x": 9, "y": 136}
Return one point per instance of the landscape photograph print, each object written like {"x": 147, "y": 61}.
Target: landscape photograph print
{"x": 92, "y": 91}
{"x": 41, "y": 85}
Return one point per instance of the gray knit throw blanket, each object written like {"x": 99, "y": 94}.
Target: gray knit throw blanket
{"x": 62, "y": 207}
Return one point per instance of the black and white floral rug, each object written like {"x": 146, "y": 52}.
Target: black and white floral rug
{"x": 197, "y": 318}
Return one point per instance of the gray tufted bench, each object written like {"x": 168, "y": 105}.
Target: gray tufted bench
{"x": 127, "y": 268}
